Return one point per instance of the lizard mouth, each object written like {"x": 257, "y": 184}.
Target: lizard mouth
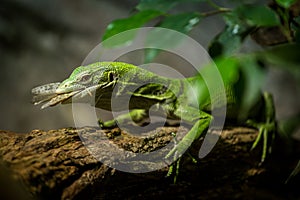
{"x": 50, "y": 95}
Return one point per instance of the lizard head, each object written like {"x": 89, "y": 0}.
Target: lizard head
{"x": 98, "y": 74}
{"x": 83, "y": 81}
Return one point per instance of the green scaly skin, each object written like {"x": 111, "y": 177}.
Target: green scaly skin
{"x": 147, "y": 90}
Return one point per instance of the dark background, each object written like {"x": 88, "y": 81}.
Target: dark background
{"x": 43, "y": 41}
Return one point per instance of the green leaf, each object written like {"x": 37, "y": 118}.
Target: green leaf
{"x": 132, "y": 22}
{"x": 227, "y": 67}
{"x": 239, "y": 23}
{"x": 285, "y": 56}
{"x": 150, "y": 54}
{"x": 183, "y": 23}
{"x": 286, "y": 3}
{"x": 257, "y": 15}
{"x": 242, "y": 77}
{"x": 230, "y": 39}
{"x": 161, "y": 5}
{"x": 226, "y": 43}
{"x": 246, "y": 77}
{"x": 289, "y": 126}
{"x": 252, "y": 75}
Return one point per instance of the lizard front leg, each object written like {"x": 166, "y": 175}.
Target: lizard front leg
{"x": 201, "y": 122}
{"x": 195, "y": 132}
{"x": 136, "y": 115}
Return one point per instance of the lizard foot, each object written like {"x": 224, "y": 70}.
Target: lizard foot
{"x": 136, "y": 116}
{"x": 107, "y": 124}
{"x": 267, "y": 129}
{"x": 180, "y": 147}
{"x": 174, "y": 169}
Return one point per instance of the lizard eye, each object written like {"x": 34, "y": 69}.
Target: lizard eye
{"x": 85, "y": 77}
{"x": 111, "y": 76}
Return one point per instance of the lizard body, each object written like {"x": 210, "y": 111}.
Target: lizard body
{"x": 119, "y": 80}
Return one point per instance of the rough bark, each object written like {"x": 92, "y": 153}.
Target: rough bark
{"x": 56, "y": 165}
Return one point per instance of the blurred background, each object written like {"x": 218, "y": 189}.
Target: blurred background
{"x": 43, "y": 41}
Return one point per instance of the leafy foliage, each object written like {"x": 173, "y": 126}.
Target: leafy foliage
{"x": 255, "y": 15}
{"x": 286, "y": 3}
{"x": 183, "y": 22}
{"x": 135, "y": 21}
{"x": 230, "y": 39}
{"x": 241, "y": 22}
